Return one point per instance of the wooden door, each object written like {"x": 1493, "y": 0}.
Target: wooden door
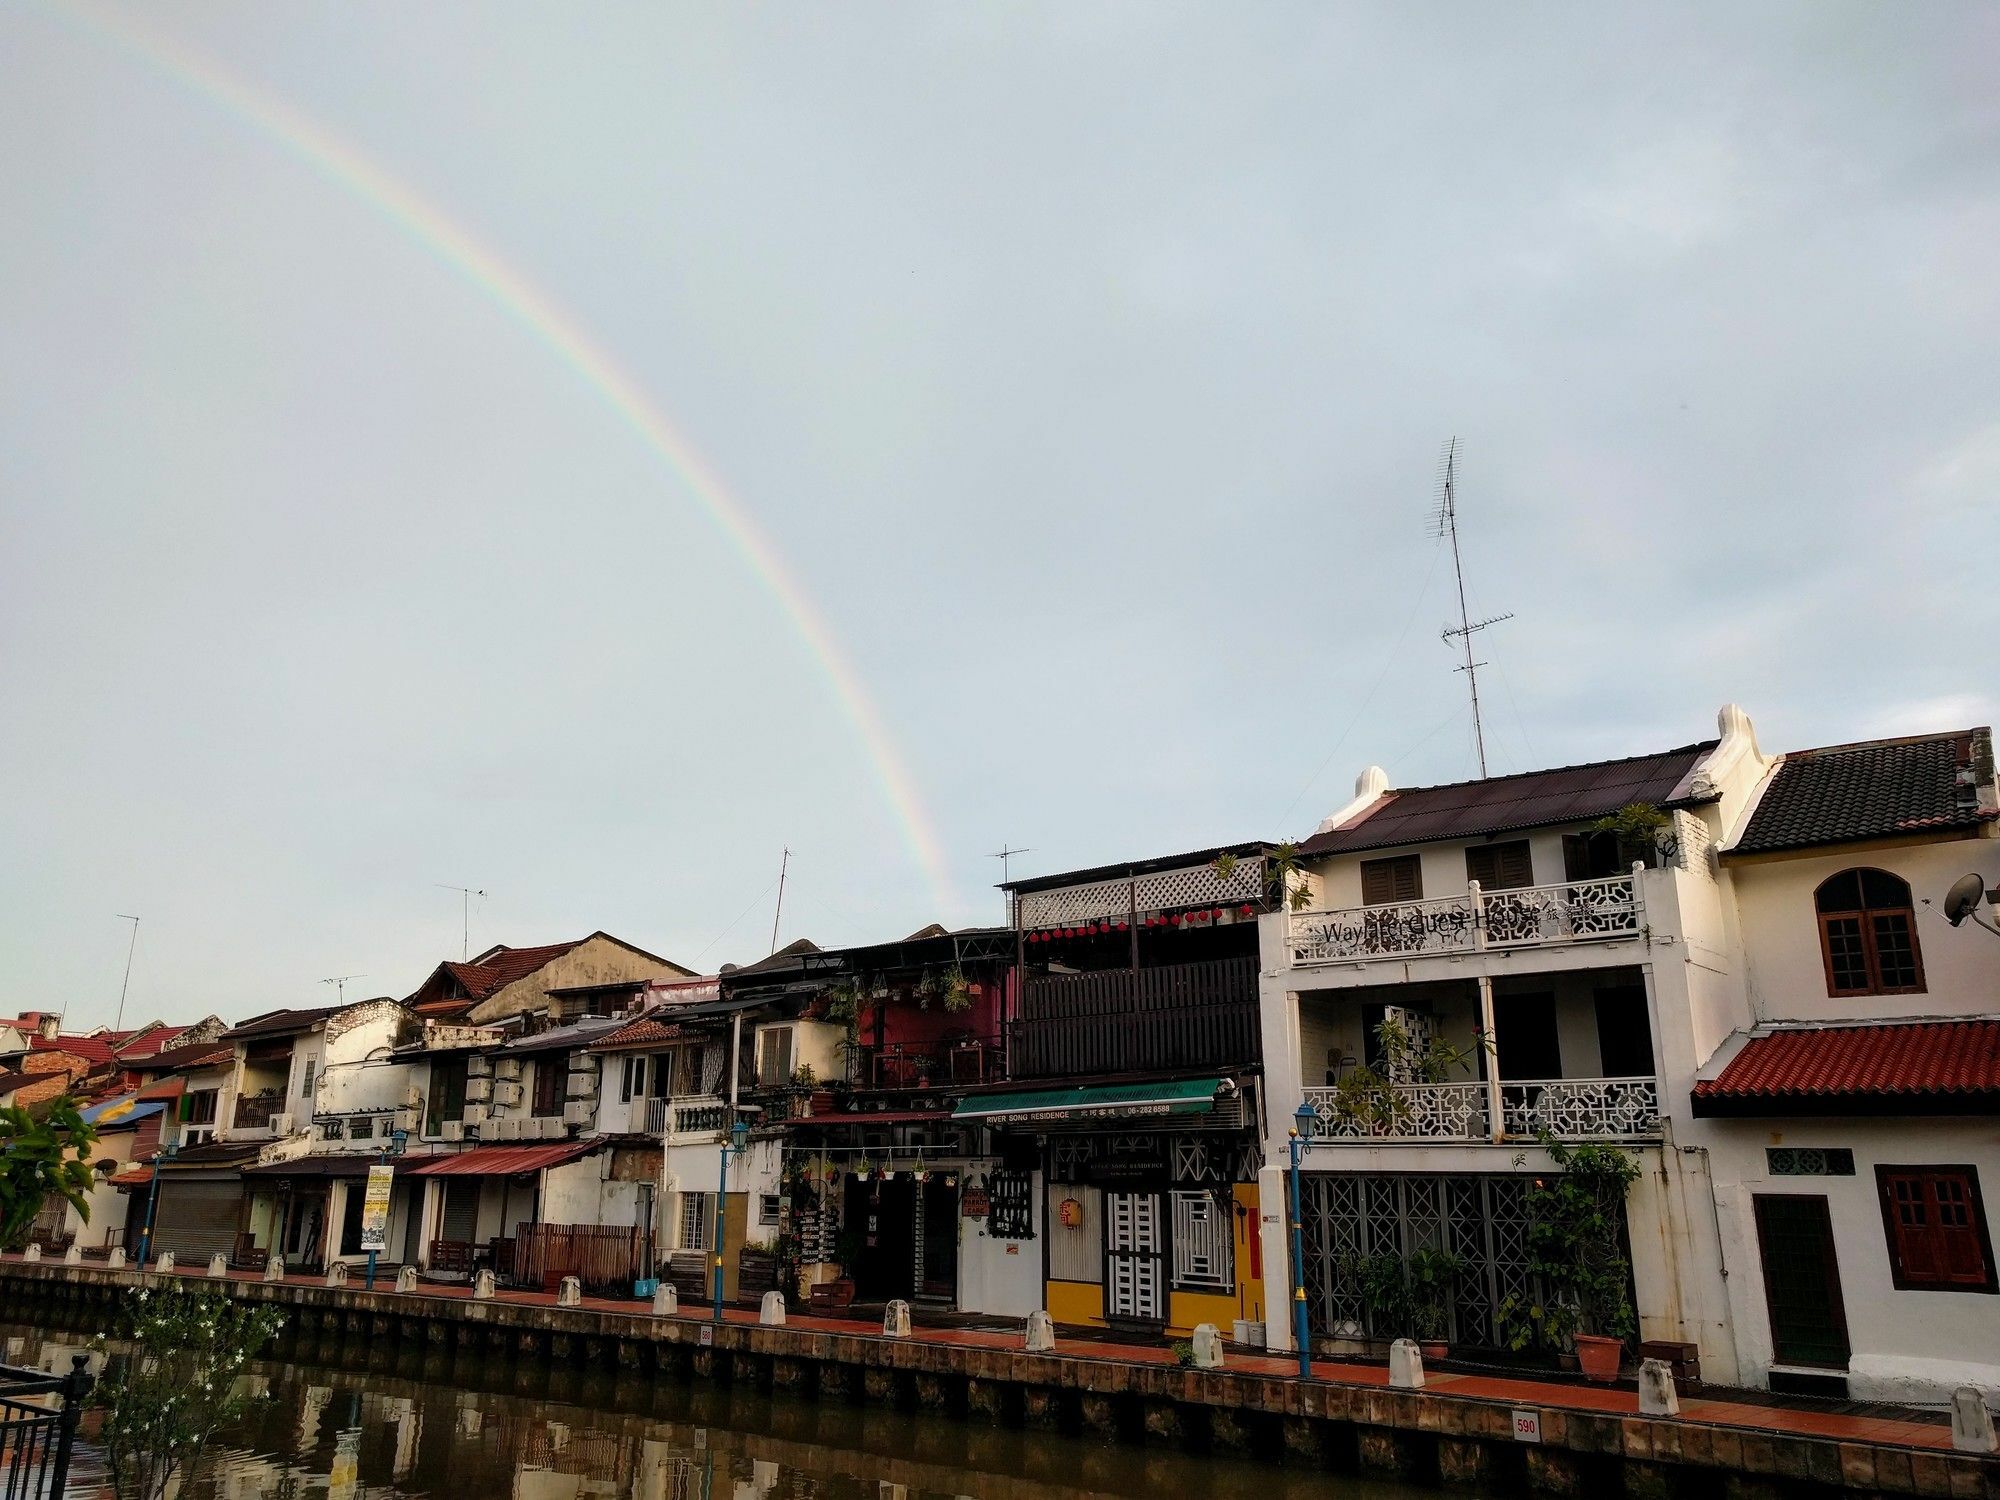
{"x": 1801, "y": 1281}
{"x": 1135, "y": 1278}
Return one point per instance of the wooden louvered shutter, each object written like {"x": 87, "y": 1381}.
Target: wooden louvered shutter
{"x": 1919, "y": 1256}
{"x": 1500, "y": 867}
{"x": 1961, "y": 1253}
{"x": 1387, "y": 880}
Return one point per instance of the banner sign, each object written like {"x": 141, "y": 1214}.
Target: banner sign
{"x": 375, "y": 1208}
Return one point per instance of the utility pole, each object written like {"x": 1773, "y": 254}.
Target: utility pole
{"x": 126, "y": 983}
{"x": 784, "y": 863}
{"x": 1447, "y": 525}
{"x": 466, "y": 893}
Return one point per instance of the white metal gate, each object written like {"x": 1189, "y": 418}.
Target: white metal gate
{"x": 1134, "y": 1257}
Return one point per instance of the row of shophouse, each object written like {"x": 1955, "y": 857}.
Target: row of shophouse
{"x": 1738, "y": 967}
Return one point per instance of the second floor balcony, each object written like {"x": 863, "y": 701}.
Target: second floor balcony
{"x": 1565, "y": 1109}
{"x": 257, "y": 1111}
{"x": 1195, "y": 1015}
{"x": 687, "y": 1118}
{"x": 959, "y": 1062}
{"x": 1536, "y": 916}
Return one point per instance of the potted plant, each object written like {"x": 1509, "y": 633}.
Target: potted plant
{"x": 1576, "y": 1221}
{"x": 1385, "y": 1297}
{"x": 1432, "y": 1276}
{"x": 1370, "y": 1100}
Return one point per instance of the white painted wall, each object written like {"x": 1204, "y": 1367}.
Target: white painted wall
{"x": 1001, "y": 1277}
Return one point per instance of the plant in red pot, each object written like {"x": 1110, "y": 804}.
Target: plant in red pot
{"x": 1576, "y": 1248}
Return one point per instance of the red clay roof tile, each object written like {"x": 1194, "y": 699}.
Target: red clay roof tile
{"x": 1929, "y": 1066}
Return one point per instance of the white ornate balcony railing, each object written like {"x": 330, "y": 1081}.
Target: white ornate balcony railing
{"x": 1527, "y": 916}
{"x": 1569, "y": 1109}
{"x": 690, "y": 1117}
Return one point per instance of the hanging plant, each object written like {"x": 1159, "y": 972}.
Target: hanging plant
{"x": 843, "y": 1005}
{"x": 957, "y": 992}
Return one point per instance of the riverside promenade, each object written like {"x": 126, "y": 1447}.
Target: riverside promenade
{"x": 1501, "y": 1433}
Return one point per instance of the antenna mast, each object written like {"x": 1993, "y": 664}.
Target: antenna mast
{"x": 1447, "y": 525}
{"x": 126, "y": 983}
{"x": 339, "y": 983}
{"x": 466, "y": 893}
{"x": 784, "y": 863}
{"x": 1005, "y": 855}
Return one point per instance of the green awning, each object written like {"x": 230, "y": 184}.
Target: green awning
{"x": 1101, "y": 1101}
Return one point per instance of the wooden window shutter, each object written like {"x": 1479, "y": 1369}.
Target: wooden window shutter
{"x": 1499, "y": 867}
{"x": 1962, "y": 1256}
{"x": 1917, "y": 1249}
{"x": 1387, "y": 880}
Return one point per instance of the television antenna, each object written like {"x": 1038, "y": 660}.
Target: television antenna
{"x": 466, "y": 893}
{"x": 126, "y": 983}
{"x": 1446, "y": 525}
{"x": 1005, "y": 854}
{"x": 339, "y": 983}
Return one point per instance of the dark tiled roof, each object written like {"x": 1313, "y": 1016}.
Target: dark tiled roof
{"x": 644, "y": 1032}
{"x": 1500, "y": 804}
{"x": 563, "y": 1038}
{"x": 11, "y": 1081}
{"x": 190, "y": 1055}
{"x": 1911, "y": 1067}
{"x": 282, "y": 1022}
{"x": 1881, "y": 789}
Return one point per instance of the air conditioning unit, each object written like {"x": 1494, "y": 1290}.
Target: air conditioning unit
{"x": 475, "y": 1114}
{"x": 479, "y": 1065}
{"x": 550, "y": 1127}
{"x": 452, "y": 1130}
{"x": 478, "y": 1090}
{"x": 507, "y": 1094}
{"x": 412, "y": 1097}
{"x": 507, "y": 1067}
{"x": 583, "y": 1085}
{"x": 506, "y": 1130}
{"x": 281, "y": 1124}
{"x": 406, "y": 1119}
{"x": 579, "y": 1112}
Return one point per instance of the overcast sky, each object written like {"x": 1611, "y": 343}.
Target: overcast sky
{"x": 1086, "y": 364}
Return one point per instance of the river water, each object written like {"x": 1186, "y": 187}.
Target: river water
{"x": 468, "y": 1431}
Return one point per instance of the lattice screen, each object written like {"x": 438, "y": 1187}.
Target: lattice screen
{"x": 1163, "y": 890}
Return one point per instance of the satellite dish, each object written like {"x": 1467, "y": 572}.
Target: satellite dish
{"x": 1963, "y": 899}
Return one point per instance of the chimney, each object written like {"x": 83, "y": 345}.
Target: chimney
{"x": 48, "y": 1027}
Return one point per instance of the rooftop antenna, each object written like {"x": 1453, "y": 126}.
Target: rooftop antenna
{"x": 339, "y": 983}
{"x": 1006, "y": 855}
{"x": 1447, "y": 525}
{"x": 466, "y": 893}
{"x": 126, "y": 983}
{"x": 783, "y": 864}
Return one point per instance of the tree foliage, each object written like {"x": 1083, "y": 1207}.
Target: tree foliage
{"x": 41, "y": 1159}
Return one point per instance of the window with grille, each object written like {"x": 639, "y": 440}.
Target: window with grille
{"x": 695, "y": 1220}
{"x": 333, "y": 1130}
{"x": 1010, "y": 1213}
{"x": 1386, "y": 880}
{"x": 770, "y": 1207}
{"x": 362, "y": 1129}
{"x": 1500, "y": 867}
{"x": 1203, "y": 1240}
{"x": 1809, "y": 1161}
{"x": 1936, "y": 1225}
{"x": 306, "y": 1081}
{"x": 774, "y": 1057}
{"x": 1868, "y": 934}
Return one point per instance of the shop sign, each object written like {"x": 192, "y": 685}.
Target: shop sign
{"x": 1071, "y": 1213}
{"x": 375, "y": 1208}
{"x": 975, "y": 1203}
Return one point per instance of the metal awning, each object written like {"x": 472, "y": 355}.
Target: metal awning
{"x": 1109, "y": 1101}
{"x": 507, "y": 1161}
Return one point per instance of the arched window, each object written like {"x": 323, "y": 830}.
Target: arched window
{"x": 1868, "y": 934}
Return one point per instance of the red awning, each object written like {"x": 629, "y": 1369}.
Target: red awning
{"x": 1910, "y": 1068}
{"x": 505, "y": 1161}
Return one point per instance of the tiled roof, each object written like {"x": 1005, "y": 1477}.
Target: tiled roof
{"x": 283, "y": 1022}
{"x": 505, "y": 1161}
{"x": 1499, "y": 804}
{"x": 191, "y": 1055}
{"x": 1914, "y": 1067}
{"x": 1881, "y": 789}
{"x": 644, "y": 1032}
{"x": 11, "y": 1081}
{"x": 164, "y": 1088}
{"x": 92, "y": 1049}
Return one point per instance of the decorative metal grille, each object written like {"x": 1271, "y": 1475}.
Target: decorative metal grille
{"x": 1443, "y": 926}
{"x": 1421, "y": 1112}
{"x": 1011, "y": 1215}
{"x": 1163, "y": 890}
{"x": 1480, "y": 1218}
{"x": 1809, "y": 1161}
{"x": 1570, "y": 1109}
{"x": 1562, "y": 913}
{"x": 1576, "y": 911}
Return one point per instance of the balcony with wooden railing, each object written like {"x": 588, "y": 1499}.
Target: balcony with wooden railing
{"x": 1197, "y": 1015}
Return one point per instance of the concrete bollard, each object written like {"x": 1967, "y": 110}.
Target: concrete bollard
{"x": 1971, "y": 1422}
{"x": 116, "y": 1259}
{"x": 336, "y": 1274}
{"x": 163, "y": 1263}
{"x": 1657, "y": 1396}
{"x": 772, "y": 1313}
{"x": 274, "y": 1268}
{"x": 32, "y": 1253}
{"x": 73, "y": 1256}
{"x": 569, "y": 1292}
{"x": 406, "y": 1279}
{"x": 482, "y": 1285}
{"x": 1041, "y": 1333}
{"x": 1207, "y": 1347}
{"x": 218, "y": 1267}
{"x": 666, "y": 1300}
{"x": 1406, "y": 1365}
{"x": 896, "y": 1320}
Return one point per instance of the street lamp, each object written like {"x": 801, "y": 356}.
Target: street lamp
{"x": 1303, "y": 1124}
{"x": 173, "y": 1149}
{"x": 735, "y": 1143}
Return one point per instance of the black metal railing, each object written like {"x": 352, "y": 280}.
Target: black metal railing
{"x": 36, "y": 1437}
{"x": 1125, "y": 1020}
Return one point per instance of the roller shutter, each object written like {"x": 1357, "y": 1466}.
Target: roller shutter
{"x": 196, "y": 1220}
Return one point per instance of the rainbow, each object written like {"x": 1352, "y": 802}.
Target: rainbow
{"x": 559, "y": 332}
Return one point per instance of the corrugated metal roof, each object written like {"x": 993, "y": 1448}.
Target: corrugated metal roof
{"x": 282, "y": 1022}
{"x": 1926, "y": 1066}
{"x": 506, "y": 1161}
{"x": 1501, "y": 804}
{"x": 1880, "y": 789}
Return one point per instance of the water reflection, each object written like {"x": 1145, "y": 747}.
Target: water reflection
{"x": 437, "y": 1427}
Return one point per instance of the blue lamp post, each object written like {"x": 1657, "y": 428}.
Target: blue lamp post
{"x": 1303, "y": 1124}
{"x": 173, "y": 1149}
{"x": 733, "y": 1144}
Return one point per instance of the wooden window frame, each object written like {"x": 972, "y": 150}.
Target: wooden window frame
{"x": 1392, "y": 863}
{"x": 1473, "y": 851}
{"x": 552, "y": 1078}
{"x": 1885, "y": 1173}
{"x": 1864, "y": 916}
